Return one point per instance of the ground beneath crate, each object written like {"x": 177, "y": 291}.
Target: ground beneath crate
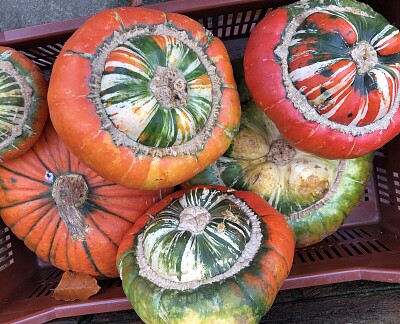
{"x": 352, "y": 302}
{"x": 16, "y": 14}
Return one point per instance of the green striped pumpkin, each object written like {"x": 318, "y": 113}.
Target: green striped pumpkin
{"x": 153, "y": 92}
{"x": 138, "y": 97}
{"x": 23, "y": 104}
{"x": 204, "y": 255}
{"x": 316, "y": 195}
{"x": 327, "y": 73}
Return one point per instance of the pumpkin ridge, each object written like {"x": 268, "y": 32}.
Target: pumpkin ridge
{"x": 23, "y": 175}
{"x": 85, "y": 172}
{"x": 38, "y": 220}
{"x": 242, "y": 286}
{"x": 247, "y": 292}
{"x": 90, "y": 258}
{"x": 108, "y": 213}
{"x": 54, "y": 246}
{"x": 69, "y": 168}
{"x": 281, "y": 256}
{"x": 50, "y": 152}
{"x": 66, "y": 252}
{"x": 102, "y": 231}
{"x": 81, "y": 54}
{"x": 20, "y": 203}
{"x": 119, "y": 19}
{"x": 50, "y": 249}
{"x": 44, "y": 218}
{"x": 54, "y": 172}
{"x": 94, "y": 205}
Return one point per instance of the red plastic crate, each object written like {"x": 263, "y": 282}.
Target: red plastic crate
{"x": 366, "y": 247}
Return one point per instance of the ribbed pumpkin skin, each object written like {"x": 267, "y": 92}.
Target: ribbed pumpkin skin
{"x": 306, "y": 189}
{"x": 327, "y": 73}
{"x": 111, "y": 101}
{"x": 28, "y": 208}
{"x": 240, "y": 298}
{"x": 12, "y": 100}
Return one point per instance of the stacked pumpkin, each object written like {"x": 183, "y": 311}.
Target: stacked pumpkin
{"x": 142, "y": 101}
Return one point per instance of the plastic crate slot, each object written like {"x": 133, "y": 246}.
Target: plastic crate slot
{"x": 384, "y": 193}
{"x": 6, "y": 262}
{"x": 346, "y": 249}
{"x": 356, "y": 233}
{"x": 318, "y": 254}
{"x": 365, "y": 248}
{"x": 383, "y": 186}
{"x": 55, "y": 274}
{"x": 349, "y": 234}
{"x": 372, "y": 245}
{"x": 381, "y": 170}
{"x": 35, "y": 51}
{"x": 341, "y": 235}
{"x": 59, "y": 45}
{"x": 365, "y": 232}
{"x": 335, "y": 250}
{"x": 39, "y": 63}
{"x": 310, "y": 256}
{"x": 5, "y": 249}
{"x": 242, "y": 24}
{"x": 109, "y": 283}
{"x": 6, "y": 253}
{"x": 301, "y": 257}
{"x": 39, "y": 290}
{"x": 355, "y": 248}
{"x": 5, "y": 244}
{"x": 46, "y": 51}
{"x": 29, "y": 55}
{"x": 334, "y": 237}
{"x": 382, "y": 178}
{"x": 366, "y": 195}
{"x": 47, "y": 61}
{"x": 382, "y": 245}
{"x": 54, "y": 49}
{"x": 327, "y": 253}
{"x": 51, "y": 289}
{"x": 386, "y": 201}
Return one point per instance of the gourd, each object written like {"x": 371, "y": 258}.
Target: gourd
{"x": 23, "y": 103}
{"x": 151, "y": 92}
{"x": 206, "y": 255}
{"x": 327, "y": 74}
{"x": 316, "y": 195}
{"x": 66, "y": 213}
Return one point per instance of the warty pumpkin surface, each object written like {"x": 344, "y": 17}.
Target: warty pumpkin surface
{"x": 327, "y": 73}
{"x": 153, "y": 92}
{"x": 206, "y": 255}
{"x": 66, "y": 213}
{"x": 23, "y": 103}
{"x": 316, "y": 195}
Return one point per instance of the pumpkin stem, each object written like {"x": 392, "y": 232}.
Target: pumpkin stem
{"x": 69, "y": 192}
{"x": 169, "y": 87}
{"x": 364, "y": 56}
{"x": 281, "y": 152}
{"x": 194, "y": 219}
